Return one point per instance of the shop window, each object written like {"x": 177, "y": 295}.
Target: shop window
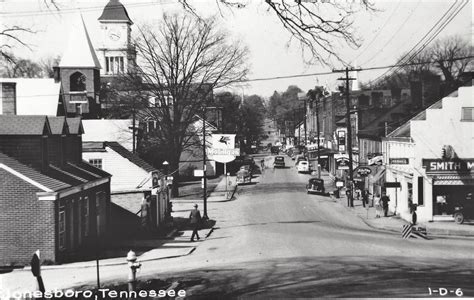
{"x": 467, "y": 114}
{"x": 62, "y": 228}
{"x": 421, "y": 190}
{"x": 77, "y": 82}
{"x": 96, "y": 162}
{"x": 410, "y": 192}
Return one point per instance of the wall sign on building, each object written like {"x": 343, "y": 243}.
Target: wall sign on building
{"x": 398, "y": 161}
{"x": 446, "y": 166}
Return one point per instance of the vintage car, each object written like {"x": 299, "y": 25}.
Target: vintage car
{"x": 464, "y": 210}
{"x": 243, "y": 177}
{"x": 279, "y": 162}
{"x": 315, "y": 185}
{"x": 303, "y": 166}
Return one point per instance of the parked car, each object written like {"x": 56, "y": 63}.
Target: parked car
{"x": 315, "y": 185}
{"x": 279, "y": 162}
{"x": 243, "y": 177}
{"x": 303, "y": 166}
{"x": 298, "y": 158}
{"x": 464, "y": 210}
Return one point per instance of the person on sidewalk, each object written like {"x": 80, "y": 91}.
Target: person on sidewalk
{"x": 365, "y": 197}
{"x": 385, "y": 200}
{"x": 195, "y": 220}
{"x": 412, "y": 208}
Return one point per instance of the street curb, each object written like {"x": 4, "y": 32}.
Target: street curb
{"x": 55, "y": 267}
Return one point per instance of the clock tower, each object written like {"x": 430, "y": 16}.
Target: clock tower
{"x": 116, "y": 53}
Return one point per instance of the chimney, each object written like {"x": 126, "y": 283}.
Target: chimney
{"x": 8, "y": 98}
{"x": 57, "y": 74}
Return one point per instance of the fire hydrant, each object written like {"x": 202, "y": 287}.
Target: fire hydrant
{"x": 133, "y": 264}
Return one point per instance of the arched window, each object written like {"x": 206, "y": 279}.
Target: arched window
{"x": 78, "y": 82}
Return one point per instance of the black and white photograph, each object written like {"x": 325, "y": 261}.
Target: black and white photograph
{"x": 236, "y": 149}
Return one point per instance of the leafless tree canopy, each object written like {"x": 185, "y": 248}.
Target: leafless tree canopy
{"x": 180, "y": 62}
{"x": 445, "y": 50}
{"x": 320, "y": 26}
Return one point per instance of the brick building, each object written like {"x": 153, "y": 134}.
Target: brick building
{"x": 49, "y": 198}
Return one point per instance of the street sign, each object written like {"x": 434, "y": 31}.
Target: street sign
{"x": 339, "y": 183}
{"x": 198, "y": 173}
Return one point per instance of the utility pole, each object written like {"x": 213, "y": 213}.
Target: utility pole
{"x": 347, "y": 79}
{"x": 204, "y": 179}
{"x": 317, "y": 135}
{"x": 305, "y": 113}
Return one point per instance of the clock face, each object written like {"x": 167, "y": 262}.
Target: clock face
{"x": 114, "y": 35}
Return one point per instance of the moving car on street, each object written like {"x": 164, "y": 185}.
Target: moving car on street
{"x": 243, "y": 177}
{"x": 303, "y": 166}
{"x": 464, "y": 210}
{"x": 279, "y": 162}
{"x": 315, "y": 185}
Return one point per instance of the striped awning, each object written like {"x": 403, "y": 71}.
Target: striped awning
{"x": 456, "y": 179}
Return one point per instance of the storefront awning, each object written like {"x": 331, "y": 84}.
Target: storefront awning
{"x": 456, "y": 179}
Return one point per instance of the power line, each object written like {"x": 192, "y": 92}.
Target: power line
{"x": 396, "y": 31}
{"x": 75, "y": 9}
{"x": 378, "y": 33}
{"x": 435, "y": 33}
{"x": 321, "y": 73}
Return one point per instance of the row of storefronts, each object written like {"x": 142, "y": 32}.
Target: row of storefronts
{"x": 427, "y": 161}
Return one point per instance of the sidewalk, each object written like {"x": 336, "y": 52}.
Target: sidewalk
{"x": 218, "y": 194}
{"x": 395, "y": 223}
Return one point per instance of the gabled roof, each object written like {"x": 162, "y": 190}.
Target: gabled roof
{"x": 36, "y": 96}
{"x": 79, "y": 51}
{"x": 33, "y": 176}
{"x": 115, "y": 11}
{"x": 58, "y": 125}
{"x": 131, "y": 156}
{"x": 111, "y": 130}
{"x": 404, "y": 131}
{"x": 75, "y": 125}
{"x": 24, "y": 125}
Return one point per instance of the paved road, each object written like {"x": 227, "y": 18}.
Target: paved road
{"x": 277, "y": 241}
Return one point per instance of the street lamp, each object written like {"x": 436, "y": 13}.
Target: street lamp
{"x": 166, "y": 165}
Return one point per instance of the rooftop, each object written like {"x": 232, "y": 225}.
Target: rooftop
{"x": 115, "y": 11}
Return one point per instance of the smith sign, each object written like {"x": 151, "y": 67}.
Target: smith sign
{"x": 439, "y": 165}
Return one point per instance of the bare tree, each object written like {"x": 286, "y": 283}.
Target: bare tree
{"x": 321, "y": 27}
{"x": 20, "y": 67}
{"x": 443, "y": 53}
{"x": 11, "y": 35}
{"x": 181, "y": 61}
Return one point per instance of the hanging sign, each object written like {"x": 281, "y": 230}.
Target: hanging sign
{"x": 223, "y": 148}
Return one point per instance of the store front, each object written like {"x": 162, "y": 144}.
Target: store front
{"x": 452, "y": 185}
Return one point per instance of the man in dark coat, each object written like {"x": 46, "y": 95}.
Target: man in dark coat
{"x": 385, "y": 200}
{"x": 195, "y": 220}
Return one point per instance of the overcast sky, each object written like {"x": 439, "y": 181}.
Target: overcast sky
{"x": 385, "y": 35}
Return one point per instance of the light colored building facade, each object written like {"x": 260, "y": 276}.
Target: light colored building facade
{"x": 432, "y": 159}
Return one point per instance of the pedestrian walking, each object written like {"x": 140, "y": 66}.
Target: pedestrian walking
{"x": 365, "y": 197}
{"x": 412, "y": 208}
{"x": 195, "y": 220}
{"x": 385, "y": 200}
{"x": 146, "y": 213}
